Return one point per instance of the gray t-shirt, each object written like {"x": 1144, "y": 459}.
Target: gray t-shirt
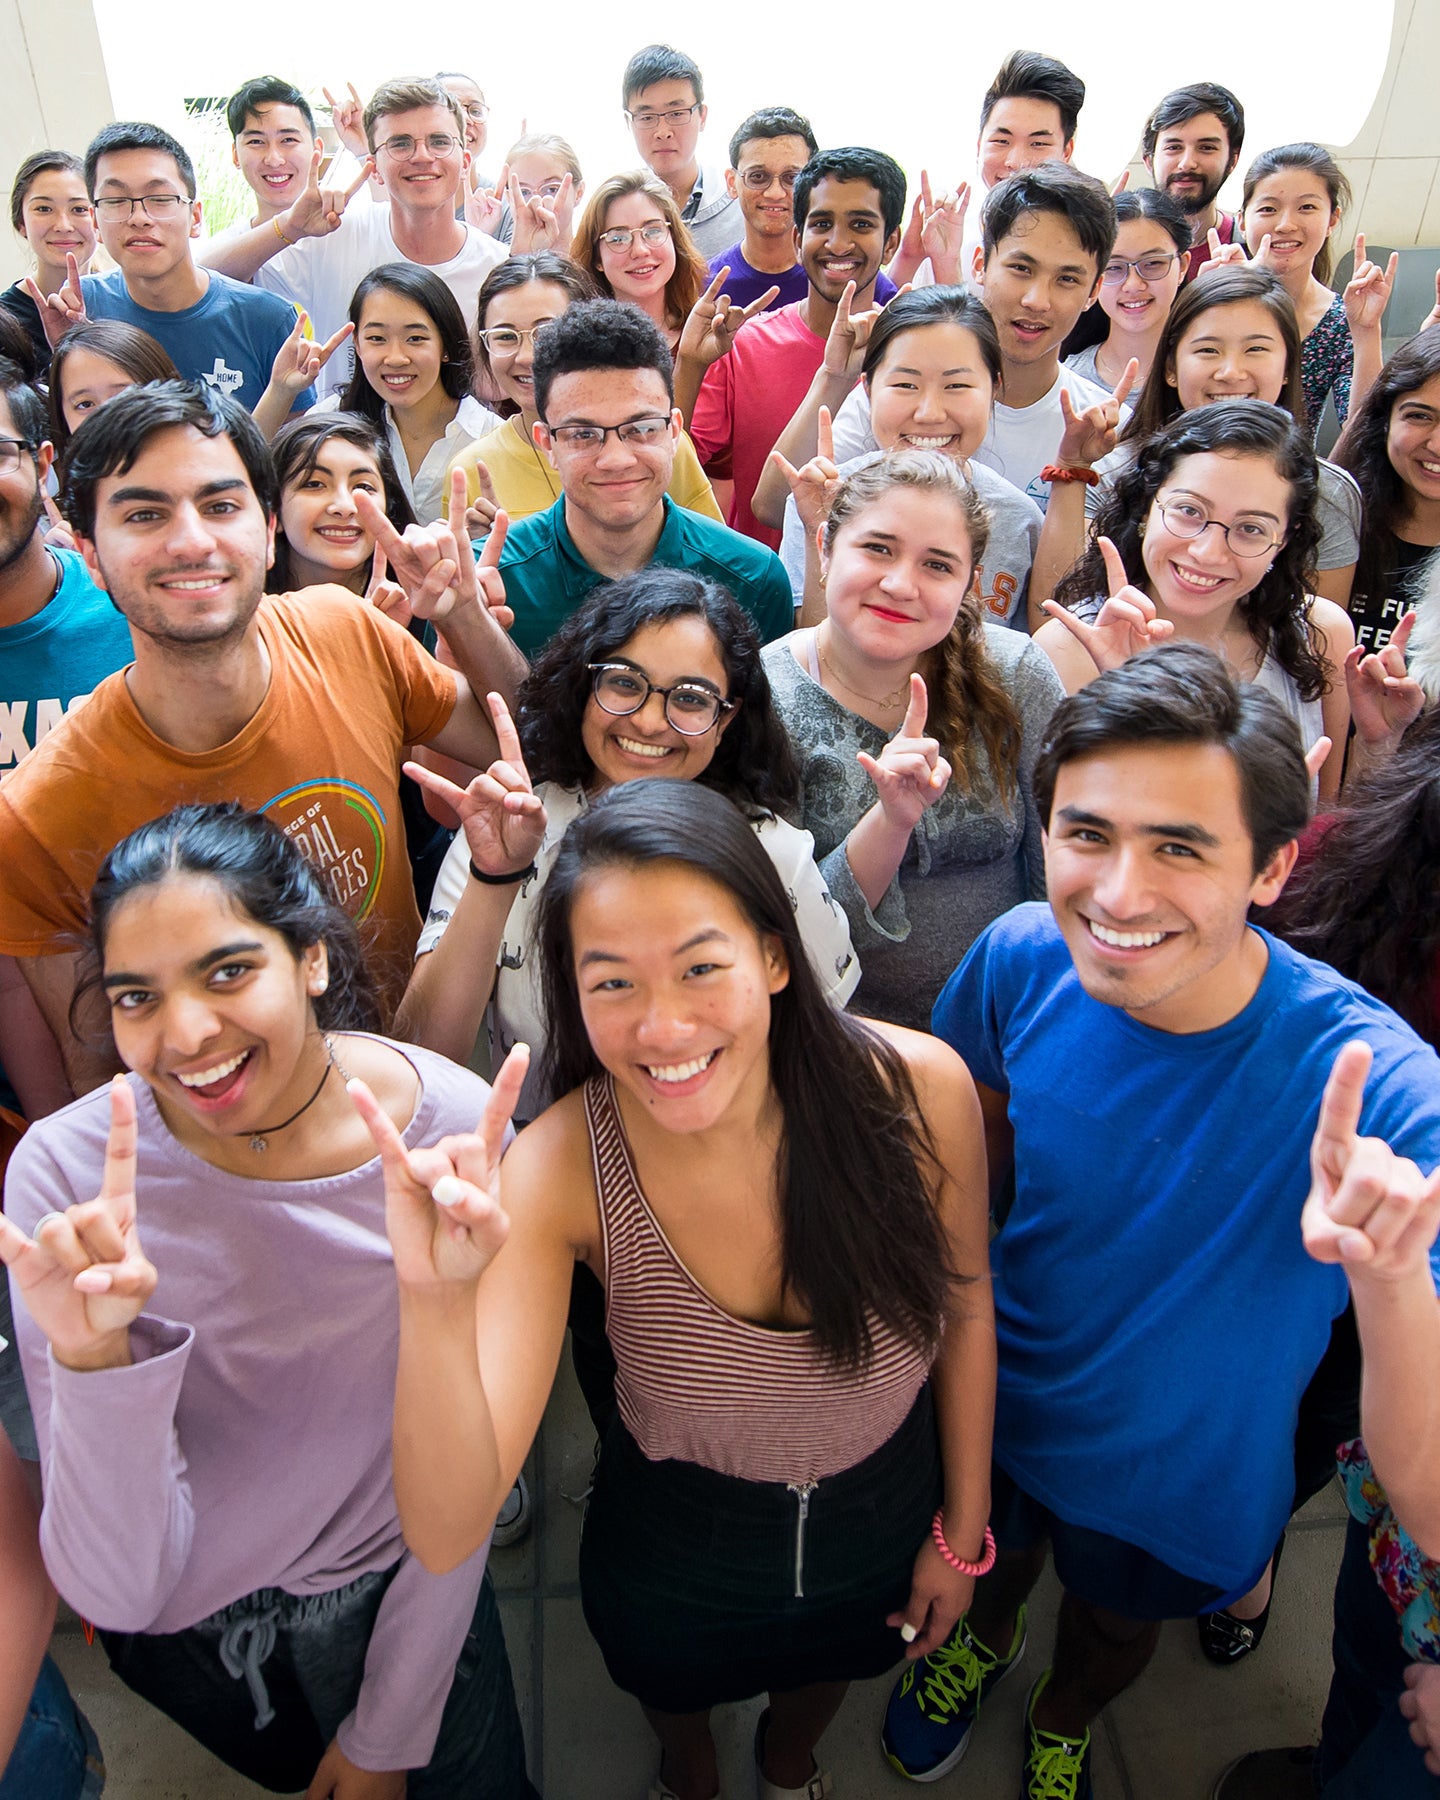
{"x": 971, "y": 857}
{"x": 1337, "y": 503}
{"x": 1002, "y": 574}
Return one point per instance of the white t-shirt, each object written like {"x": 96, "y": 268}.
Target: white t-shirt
{"x": 321, "y": 274}
{"x": 1020, "y": 442}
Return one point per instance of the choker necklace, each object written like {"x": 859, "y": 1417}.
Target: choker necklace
{"x": 889, "y": 701}
{"x": 259, "y": 1137}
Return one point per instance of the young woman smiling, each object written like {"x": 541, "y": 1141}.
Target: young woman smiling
{"x": 931, "y": 371}
{"x": 786, "y": 1206}
{"x": 1137, "y": 286}
{"x": 633, "y": 241}
{"x": 902, "y": 683}
{"x": 322, "y": 462}
{"x": 239, "y": 1428}
{"x": 1209, "y": 535}
{"x": 50, "y": 210}
{"x": 413, "y": 375}
{"x": 507, "y": 469}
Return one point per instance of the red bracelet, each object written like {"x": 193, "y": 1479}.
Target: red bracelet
{"x": 1053, "y": 472}
{"x": 986, "y": 1562}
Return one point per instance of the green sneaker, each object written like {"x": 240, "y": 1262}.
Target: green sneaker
{"x": 934, "y": 1703}
{"x": 1056, "y": 1768}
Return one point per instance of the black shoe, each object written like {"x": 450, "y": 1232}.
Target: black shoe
{"x": 1226, "y": 1639}
{"x": 1269, "y": 1775}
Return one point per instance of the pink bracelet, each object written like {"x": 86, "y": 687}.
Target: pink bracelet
{"x": 986, "y": 1562}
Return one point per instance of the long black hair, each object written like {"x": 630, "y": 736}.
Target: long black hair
{"x": 424, "y": 289}
{"x": 860, "y": 1237}
{"x": 753, "y": 765}
{"x": 1368, "y": 900}
{"x": 1363, "y": 449}
{"x": 297, "y": 449}
{"x": 1273, "y": 610}
{"x": 1093, "y": 325}
{"x": 264, "y": 874}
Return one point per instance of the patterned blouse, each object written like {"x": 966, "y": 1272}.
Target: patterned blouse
{"x": 1326, "y": 358}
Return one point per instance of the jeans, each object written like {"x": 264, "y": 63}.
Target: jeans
{"x": 296, "y": 1664}
{"x": 56, "y": 1756}
{"x": 1365, "y": 1748}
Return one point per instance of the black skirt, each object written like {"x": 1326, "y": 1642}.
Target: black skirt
{"x": 701, "y": 1588}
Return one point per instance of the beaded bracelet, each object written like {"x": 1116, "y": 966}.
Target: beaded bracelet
{"x": 986, "y": 1562}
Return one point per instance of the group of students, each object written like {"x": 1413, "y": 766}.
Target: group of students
{"x": 794, "y": 687}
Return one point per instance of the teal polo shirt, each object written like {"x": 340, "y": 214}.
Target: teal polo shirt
{"x": 546, "y": 577}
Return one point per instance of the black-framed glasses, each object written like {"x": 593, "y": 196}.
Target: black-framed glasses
{"x": 691, "y": 707}
{"x": 623, "y": 237}
{"x": 639, "y": 434}
{"x": 759, "y": 179}
{"x": 673, "y": 116}
{"x": 10, "y": 452}
{"x": 1148, "y": 268}
{"x": 156, "y": 207}
{"x": 505, "y": 340}
{"x": 1246, "y": 537}
{"x": 403, "y": 146}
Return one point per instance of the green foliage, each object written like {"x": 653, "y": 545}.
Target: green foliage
{"x": 223, "y": 189}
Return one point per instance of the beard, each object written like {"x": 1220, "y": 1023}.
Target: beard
{"x": 1194, "y": 201}
{"x": 18, "y": 524}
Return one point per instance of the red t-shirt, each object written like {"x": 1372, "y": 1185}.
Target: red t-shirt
{"x": 747, "y": 399}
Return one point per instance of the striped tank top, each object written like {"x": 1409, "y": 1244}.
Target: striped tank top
{"x": 699, "y": 1385}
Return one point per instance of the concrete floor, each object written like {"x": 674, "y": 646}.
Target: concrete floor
{"x": 1167, "y": 1739}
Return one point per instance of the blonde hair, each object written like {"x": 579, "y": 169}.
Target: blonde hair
{"x": 692, "y": 272}
{"x": 968, "y": 700}
{"x": 548, "y": 143}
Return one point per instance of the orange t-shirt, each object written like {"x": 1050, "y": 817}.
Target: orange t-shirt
{"x": 321, "y": 758}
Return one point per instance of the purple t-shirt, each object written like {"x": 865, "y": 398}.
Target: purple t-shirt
{"x": 746, "y": 284}
{"x": 248, "y": 1444}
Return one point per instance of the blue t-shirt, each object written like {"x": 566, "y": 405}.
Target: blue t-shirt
{"x": 56, "y": 659}
{"x": 229, "y": 338}
{"x": 1158, "y": 1316}
{"x": 745, "y": 284}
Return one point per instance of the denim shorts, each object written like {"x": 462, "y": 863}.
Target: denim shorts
{"x": 701, "y": 1588}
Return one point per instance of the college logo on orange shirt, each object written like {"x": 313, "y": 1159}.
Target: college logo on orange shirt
{"x": 340, "y": 828}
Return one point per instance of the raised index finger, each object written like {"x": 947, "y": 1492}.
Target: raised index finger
{"x": 825, "y": 435}
{"x": 372, "y": 517}
{"x": 1115, "y": 576}
{"x": 495, "y": 543}
{"x": 1128, "y": 378}
{"x": 506, "y": 736}
{"x": 1340, "y": 1104}
{"x": 917, "y": 711}
{"x": 394, "y": 1157}
{"x": 118, "y": 1179}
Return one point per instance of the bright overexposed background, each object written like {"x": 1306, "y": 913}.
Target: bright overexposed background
{"x": 862, "y": 73}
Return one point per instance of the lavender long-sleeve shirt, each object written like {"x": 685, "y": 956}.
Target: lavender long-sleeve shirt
{"x": 248, "y": 1445}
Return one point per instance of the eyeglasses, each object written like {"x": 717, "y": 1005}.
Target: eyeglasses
{"x": 154, "y": 206}
{"x": 674, "y": 117}
{"x": 547, "y": 190}
{"x": 505, "y": 340}
{"x": 620, "y": 240}
{"x": 760, "y": 179}
{"x": 402, "y": 148}
{"x": 640, "y": 434}
{"x": 476, "y": 110}
{"x": 1148, "y": 268}
{"x": 10, "y": 452}
{"x": 1248, "y": 537}
{"x": 691, "y": 707}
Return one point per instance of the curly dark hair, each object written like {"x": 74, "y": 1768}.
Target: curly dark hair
{"x": 1363, "y": 449}
{"x": 599, "y": 334}
{"x": 1365, "y": 901}
{"x": 753, "y": 764}
{"x": 1273, "y": 609}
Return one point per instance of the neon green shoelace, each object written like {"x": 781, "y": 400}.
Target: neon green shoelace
{"x": 1056, "y": 1766}
{"x": 953, "y": 1673}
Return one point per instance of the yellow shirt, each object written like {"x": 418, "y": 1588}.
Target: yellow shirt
{"x": 525, "y": 483}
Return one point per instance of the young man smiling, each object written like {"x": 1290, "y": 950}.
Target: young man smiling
{"x": 663, "y": 95}
{"x": 848, "y": 207}
{"x": 416, "y": 133}
{"x": 767, "y": 154}
{"x": 215, "y": 330}
{"x": 298, "y": 706}
{"x": 1153, "y": 1260}
{"x": 1192, "y": 142}
{"x": 273, "y": 142}
{"x": 609, "y": 425}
